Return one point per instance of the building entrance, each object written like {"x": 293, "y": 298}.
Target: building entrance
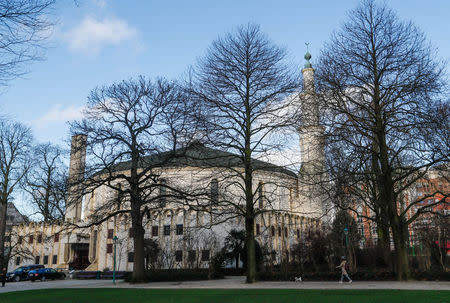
{"x": 81, "y": 256}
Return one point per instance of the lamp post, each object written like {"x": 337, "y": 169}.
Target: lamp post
{"x": 114, "y": 269}
{"x": 346, "y": 237}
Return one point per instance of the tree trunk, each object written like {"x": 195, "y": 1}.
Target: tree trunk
{"x": 138, "y": 239}
{"x": 387, "y": 195}
{"x": 136, "y": 218}
{"x": 3, "y": 210}
{"x": 251, "y": 256}
{"x": 46, "y": 212}
{"x": 384, "y": 244}
{"x": 401, "y": 250}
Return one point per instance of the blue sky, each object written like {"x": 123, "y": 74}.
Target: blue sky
{"x": 102, "y": 41}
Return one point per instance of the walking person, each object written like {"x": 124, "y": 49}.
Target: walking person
{"x": 3, "y": 276}
{"x": 343, "y": 266}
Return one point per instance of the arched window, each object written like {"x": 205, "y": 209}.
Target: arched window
{"x": 260, "y": 195}
{"x": 119, "y": 195}
{"x": 162, "y": 193}
{"x": 214, "y": 188}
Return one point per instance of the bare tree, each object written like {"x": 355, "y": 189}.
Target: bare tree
{"x": 24, "y": 24}
{"x": 133, "y": 128}
{"x": 46, "y": 182}
{"x": 239, "y": 86}
{"x": 433, "y": 234}
{"x": 15, "y": 248}
{"x": 380, "y": 76}
{"x": 15, "y": 145}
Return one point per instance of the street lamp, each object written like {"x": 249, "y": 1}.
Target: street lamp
{"x": 114, "y": 269}
{"x": 346, "y": 237}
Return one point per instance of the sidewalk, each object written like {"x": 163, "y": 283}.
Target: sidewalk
{"x": 228, "y": 283}
{"x": 239, "y": 282}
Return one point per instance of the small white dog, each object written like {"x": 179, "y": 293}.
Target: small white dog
{"x": 298, "y": 279}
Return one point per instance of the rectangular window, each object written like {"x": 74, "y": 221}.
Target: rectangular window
{"x": 55, "y": 259}
{"x": 298, "y": 233}
{"x": 272, "y": 228}
{"x": 214, "y": 188}
{"x": 39, "y": 238}
{"x": 258, "y": 230}
{"x": 110, "y": 233}
{"x": 131, "y": 256}
{"x": 205, "y": 255}
{"x": 37, "y": 259}
{"x": 166, "y": 230}
{"x": 374, "y": 230}
{"x": 285, "y": 232}
{"x": 178, "y": 255}
{"x": 109, "y": 248}
{"x": 179, "y": 229}
{"x": 30, "y": 239}
{"x": 192, "y": 256}
{"x": 154, "y": 231}
{"x": 56, "y": 237}
{"x": 279, "y": 231}
{"x": 260, "y": 195}
{"x": 19, "y": 241}
{"x": 17, "y": 260}
{"x": 46, "y": 259}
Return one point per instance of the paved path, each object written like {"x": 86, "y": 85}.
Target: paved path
{"x": 229, "y": 283}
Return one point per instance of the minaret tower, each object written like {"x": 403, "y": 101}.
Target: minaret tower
{"x": 311, "y": 133}
{"x": 76, "y": 176}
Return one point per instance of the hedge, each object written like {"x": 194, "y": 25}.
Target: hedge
{"x": 361, "y": 275}
{"x": 99, "y": 274}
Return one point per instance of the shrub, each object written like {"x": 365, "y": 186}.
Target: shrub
{"x": 178, "y": 275}
{"x": 431, "y": 275}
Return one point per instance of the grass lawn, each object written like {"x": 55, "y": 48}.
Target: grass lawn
{"x": 128, "y": 295}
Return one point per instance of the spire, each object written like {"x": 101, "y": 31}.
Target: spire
{"x": 307, "y": 57}
{"x": 308, "y": 73}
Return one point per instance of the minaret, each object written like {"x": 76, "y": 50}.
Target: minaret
{"x": 311, "y": 133}
{"x": 76, "y": 176}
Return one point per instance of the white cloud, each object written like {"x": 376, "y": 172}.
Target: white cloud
{"x": 100, "y": 3}
{"x": 59, "y": 114}
{"x": 91, "y": 35}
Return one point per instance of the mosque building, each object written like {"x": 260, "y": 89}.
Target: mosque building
{"x": 187, "y": 239}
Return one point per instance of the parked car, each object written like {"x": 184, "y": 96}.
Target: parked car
{"x": 21, "y": 273}
{"x": 45, "y": 274}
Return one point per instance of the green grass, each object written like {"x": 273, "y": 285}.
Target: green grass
{"x": 127, "y": 295}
